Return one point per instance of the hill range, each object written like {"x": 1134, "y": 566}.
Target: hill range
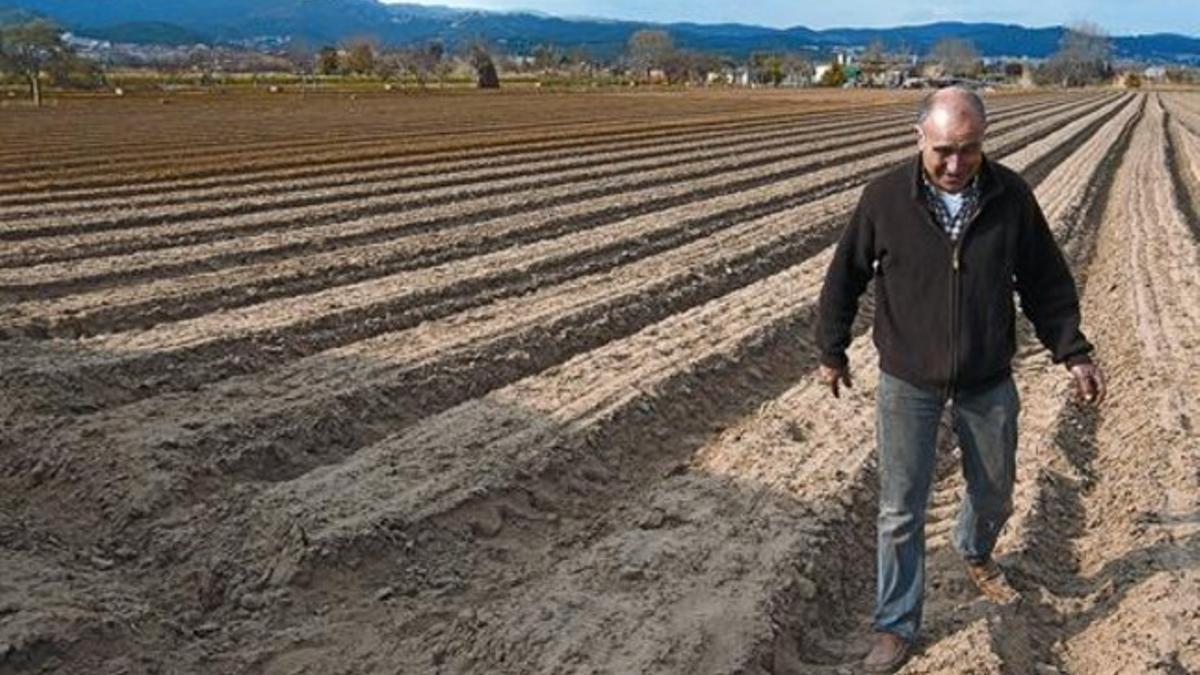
{"x": 330, "y": 21}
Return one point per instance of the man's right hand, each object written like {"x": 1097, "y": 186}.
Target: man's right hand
{"x": 834, "y": 376}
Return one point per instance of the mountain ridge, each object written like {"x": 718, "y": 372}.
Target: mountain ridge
{"x": 330, "y": 21}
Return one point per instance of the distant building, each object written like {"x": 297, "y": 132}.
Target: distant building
{"x": 1158, "y": 73}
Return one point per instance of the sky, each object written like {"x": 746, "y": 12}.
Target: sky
{"x": 1118, "y": 17}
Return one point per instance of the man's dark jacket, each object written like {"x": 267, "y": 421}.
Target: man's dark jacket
{"x": 944, "y": 313}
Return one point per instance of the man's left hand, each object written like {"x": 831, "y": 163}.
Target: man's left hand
{"x": 1089, "y": 382}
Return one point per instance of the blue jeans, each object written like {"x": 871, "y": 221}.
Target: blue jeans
{"x": 906, "y": 427}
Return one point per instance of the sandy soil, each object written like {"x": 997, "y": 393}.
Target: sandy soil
{"x": 541, "y": 400}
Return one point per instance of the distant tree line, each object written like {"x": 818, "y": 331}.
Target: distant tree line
{"x": 36, "y": 54}
{"x": 651, "y": 55}
{"x": 422, "y": 63}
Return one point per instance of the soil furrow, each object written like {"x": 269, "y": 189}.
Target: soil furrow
{"x": 74, "y": 311}
{"x": 443, "y": 187}
{"x": 116, "y": 373}
{"x": 353, "y": 183}
{"x": 525, "y": 415}
{"x": 590, "y": 443}
{"x": 843, "y": 205}
{"x": 1106, "y": 540}
{"x": 488, "y": 518}
{"x": 501, "y": 165}
{"x": 496, "y": 139}
{"x": 955, "y": 620}
{"x": 1183, "y": 163}
{"x": 354, "y": 395}
{"x": 321, "y": 216}
{"x": 343, "y": 138}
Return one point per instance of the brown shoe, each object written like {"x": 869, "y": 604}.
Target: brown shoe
{"x": 990, "y": 581}
{"x": 888, "y": 652}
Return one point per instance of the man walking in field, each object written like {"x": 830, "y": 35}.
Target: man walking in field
{"x": 947, "y": 238}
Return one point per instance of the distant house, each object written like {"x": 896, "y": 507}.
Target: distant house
{"x": 795, "y": 79}
{"x": 1158, "y": 73}
{"x": 719, "y": 77}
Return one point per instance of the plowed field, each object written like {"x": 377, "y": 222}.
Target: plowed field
{"x": 525, "y": 384}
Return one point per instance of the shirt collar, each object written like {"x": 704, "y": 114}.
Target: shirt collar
{"x": 971, "y": 188}
{"x": 984, "y": 180}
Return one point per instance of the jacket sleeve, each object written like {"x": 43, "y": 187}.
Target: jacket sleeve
{"x": 847, "y": 277}
{"x": 1047, "y": 290}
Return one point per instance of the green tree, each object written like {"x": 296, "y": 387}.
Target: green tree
{"x": 485, "y": 67}
{"x": 26, "y": 49}
{"x": 766, "y": 68}
{"x": 835, "y": 76}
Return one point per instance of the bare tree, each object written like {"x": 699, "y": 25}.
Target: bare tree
{"x": 389, "y": 64}
{"x": 797, "y": 66}
{"x": 329, "y": 61}
{"x": 443, "y": 66}
{"x": 203, "y": 60}
{"x": 873, "y": 61}
{"x": 26, "y": 49}
{"x": 956, "y": 58}
{"x": 547, "y": 58}
{"x": 360, "y": 56}
{"x": 1084, "y": 57}
{"x": 75, "y": 71}
{"x": 302, "y": 58}
{"x": 421, "y": 62}
{"x": 685, "y": 65}
{"x": 649, "y": 49}
{"x": 579, "y": 59}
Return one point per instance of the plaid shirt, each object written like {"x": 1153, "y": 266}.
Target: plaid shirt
{"x": 952, "y": 224}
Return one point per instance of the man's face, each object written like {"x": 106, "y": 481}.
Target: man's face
{"x": 951, "y": 145}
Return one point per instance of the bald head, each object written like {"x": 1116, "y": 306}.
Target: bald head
{"x": 953, "y": 101}
{"x": 950, "y": 130}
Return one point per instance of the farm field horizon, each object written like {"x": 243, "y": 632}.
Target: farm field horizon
{"x": 524, "y": 382}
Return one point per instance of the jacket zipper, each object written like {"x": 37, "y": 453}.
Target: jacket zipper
{"x": 951, "y": 382}
{"x": 955, "y": 265}
{"x": 955, "y": 291}
{"x": 953, "y": 246}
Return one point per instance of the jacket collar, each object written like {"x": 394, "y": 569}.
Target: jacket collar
{"x": 989, "y": 183}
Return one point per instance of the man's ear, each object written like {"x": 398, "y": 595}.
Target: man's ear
{"x": 920, "y": 136}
